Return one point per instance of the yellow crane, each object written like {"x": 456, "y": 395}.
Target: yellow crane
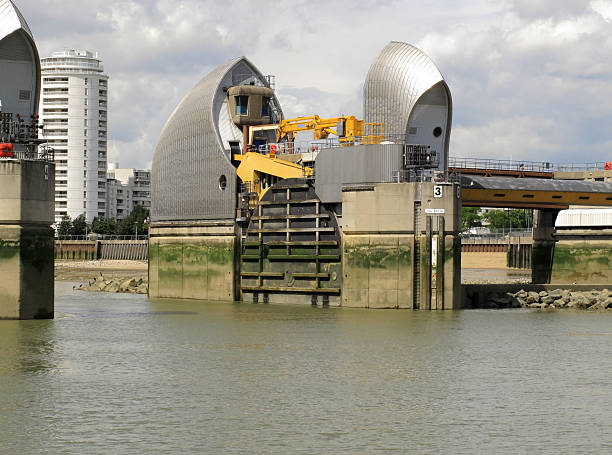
{"x": 347, "y": 127}
{"x": 259, "y": 171}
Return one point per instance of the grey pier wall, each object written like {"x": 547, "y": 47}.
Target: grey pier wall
{"x": 26, "y": 239}
{"x": 400, "y": 246}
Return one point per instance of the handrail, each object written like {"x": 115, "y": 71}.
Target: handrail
{"x": 94, "y": 236}
{"x": 522, "y": 165}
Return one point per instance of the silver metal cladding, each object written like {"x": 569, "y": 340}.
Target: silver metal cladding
{"x": 397, "y": 81}
{"x": 193, "y": 154}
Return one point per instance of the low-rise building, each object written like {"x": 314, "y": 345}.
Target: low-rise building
{"x": 126, "y": 188}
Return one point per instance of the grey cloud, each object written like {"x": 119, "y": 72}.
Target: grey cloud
{"x": 527, "y": 77}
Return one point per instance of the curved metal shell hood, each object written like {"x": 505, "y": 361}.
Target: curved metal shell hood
{"x": 398, "y": 79}
{"x": 193, "y": 154}
{"x": 15, "y": 30}
{"x": 11, "y": 20}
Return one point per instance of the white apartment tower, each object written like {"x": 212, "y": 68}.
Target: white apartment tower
{"x": 73, "y": 109}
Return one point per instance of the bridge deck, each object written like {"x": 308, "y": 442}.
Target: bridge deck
{"x": 479, "y": 191}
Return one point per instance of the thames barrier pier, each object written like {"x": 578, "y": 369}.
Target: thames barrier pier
{"x": 26, "y": 239}
{"x": 27, "y": 178}
{"x": 364, "y": 214}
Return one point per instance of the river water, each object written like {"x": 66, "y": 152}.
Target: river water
{"x": 123, "y": 375}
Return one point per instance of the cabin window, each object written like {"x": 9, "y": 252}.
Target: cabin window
{"x": 242, "y": 102}
{"x": 265, "y": 106}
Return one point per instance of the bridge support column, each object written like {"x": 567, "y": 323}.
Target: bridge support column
{"x": 543, "y": 245}
{"x": 26, "y": 239}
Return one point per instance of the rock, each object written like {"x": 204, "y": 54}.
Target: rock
{"x": 543, "y": 293}
{"x": 556, "y": 293}
{"x": 548, "y": 299}
{"x": 534, "y": 305}
{"x": 112, "y": 287}
{"x": 559, "y": 303}
{"x": 533, "y": 297}
{"x": 521, "y": 294}
{"x": 597, "y": 307}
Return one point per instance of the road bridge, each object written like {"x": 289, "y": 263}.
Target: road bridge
{"x": 534, "y": 193}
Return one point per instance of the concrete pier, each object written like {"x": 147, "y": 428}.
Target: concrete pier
{"x": 400, "y": 246}
{"x": 193, "y": 260}
{"x": 26, "y": 239}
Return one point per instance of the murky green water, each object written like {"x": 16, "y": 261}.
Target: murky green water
{"x": 119, "y": 374}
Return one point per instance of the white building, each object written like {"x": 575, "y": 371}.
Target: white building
{"x": 127, "y": 188}
{"x": 73, "y": 109}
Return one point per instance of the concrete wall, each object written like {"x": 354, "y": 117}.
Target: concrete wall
{"x": 383, "y": 247}
{"x": 192, "y": 260}
{"x": 26, "y": 239}
{"x": 582, "y": 261}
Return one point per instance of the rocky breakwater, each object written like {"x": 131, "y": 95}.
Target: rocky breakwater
{"x": 555, "y": 299}
{"x": 126, "y": 285}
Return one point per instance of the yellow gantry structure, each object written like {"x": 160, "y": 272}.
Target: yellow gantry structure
{"x": 347, "y": 128}
{"x": 259, "y": 172}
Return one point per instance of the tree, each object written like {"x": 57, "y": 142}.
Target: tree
{"x": 79, "y": 225}
{"x": 470, "y": 217}
{"x": 507, "y": 219}
{"x": 104, "y": 226}
{"x": 65, "y": 226}
{"x": 136, "y": 220}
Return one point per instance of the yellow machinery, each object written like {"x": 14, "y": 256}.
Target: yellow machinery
{"x": 347, "y": 128}
{"x": 259, "y": 172}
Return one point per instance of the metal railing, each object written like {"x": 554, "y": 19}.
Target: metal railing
{"x": 289, "y": 148}
{"x": 32, "y": 154}
{"x": 93, "y": 236}
{"x": 424, "y": 175}
{"x": 495, "y": 234}
{"x": 521, "y": 165}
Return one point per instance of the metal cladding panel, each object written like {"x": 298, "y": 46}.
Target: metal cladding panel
{"x": 398, "y": 78}
{"x": 11, "y": 20}
{"x": 190, "y": 158}
{"x": 584, "y": 218}
{"x": 349, "y": 165}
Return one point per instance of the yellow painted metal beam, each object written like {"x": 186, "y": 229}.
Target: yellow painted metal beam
{"x": 532, "y": 198}
{"x": 262, "y": 171}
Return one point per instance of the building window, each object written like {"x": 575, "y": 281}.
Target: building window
{"x": 85, "y": 101}
{"x": 84, "y": 174}
{"x": 25, "y": 95}
{"x": 86, "y": 93}
{"x": 84, "y": 204}
{"x": 84, "y": 194}
{"x": 265, "y": 106}
{"x": 242, "y": 102}
{"x": 85, "y": 112}
{"x": 85, "y": 84}
{"x": 437, "y": 131}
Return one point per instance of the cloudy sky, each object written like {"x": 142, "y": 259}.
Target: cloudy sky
{"x": 530, "y": 79}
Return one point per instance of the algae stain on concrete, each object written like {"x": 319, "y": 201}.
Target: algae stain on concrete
{"x": 9, "y": 248}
